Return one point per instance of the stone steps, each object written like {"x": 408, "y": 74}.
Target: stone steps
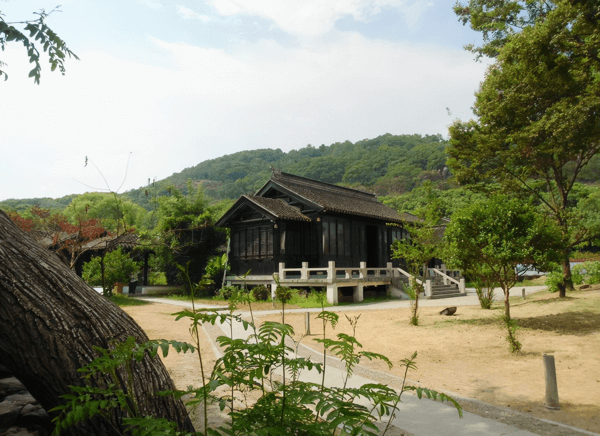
{"x": 445, "y": 291}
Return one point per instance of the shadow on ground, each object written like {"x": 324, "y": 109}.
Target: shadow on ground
{"x": 570, "y": 323}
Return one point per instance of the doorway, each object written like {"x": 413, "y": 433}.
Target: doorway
{"x": 372, "y": 243}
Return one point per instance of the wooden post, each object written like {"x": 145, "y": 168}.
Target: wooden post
{"x": 307, "y": 323}
{"x": 551, "y": 400}
{"x": 523, "y": 291}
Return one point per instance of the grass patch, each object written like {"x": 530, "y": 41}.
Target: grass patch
{"x": 123, "y": 300}
{"x": 541, "y": 281}
{"x": 297, "y": 301}
{"x": 205, "y": 300}
{"x": 370, "y": 300}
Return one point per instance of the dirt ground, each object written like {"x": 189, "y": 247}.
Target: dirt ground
{"x": 158, "y": 323}
{"x": 467, "y": 354}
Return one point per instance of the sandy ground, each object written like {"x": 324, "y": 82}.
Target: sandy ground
{"x": 467, "y": 354}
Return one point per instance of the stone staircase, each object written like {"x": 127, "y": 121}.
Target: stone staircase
{"x": 445, "y": 291}
{"x": 438, "y": 289}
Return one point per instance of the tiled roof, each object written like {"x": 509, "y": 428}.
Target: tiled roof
{"x": 339, "y": 199}
{"x": 438, "y": 233}
{"x": 278, "y": 208}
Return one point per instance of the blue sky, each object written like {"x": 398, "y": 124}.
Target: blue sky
{"x": 167, "y": 84}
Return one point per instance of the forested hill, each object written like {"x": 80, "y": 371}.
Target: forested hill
{"x": 388, "y": 164}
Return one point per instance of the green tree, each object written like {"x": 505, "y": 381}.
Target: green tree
{"x": 40, "y": 36}
{"x": 537, "y": 125}
{"x": 185, "y": 233}
{"x": 118, "y": 214}
{"x": 418, "y": 249}
{"x": 118, "y": 268}
{"x": 499, "y": 20}
{"x": 506, "y": 236}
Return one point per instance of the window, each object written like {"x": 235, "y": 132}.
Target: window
{"x": 256, "y": 243}
{"x": 337, "y": 238}
{"x": 398, "y": 233}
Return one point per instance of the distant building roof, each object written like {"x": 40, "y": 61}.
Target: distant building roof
{"x": 333, "y": 198}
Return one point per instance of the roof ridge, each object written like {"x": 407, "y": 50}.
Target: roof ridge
{"x": 321, "y": 185}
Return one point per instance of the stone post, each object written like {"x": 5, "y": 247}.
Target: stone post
{"x": 461, "y": 286}
{"x": 304, "y": 271}
{"x": 332, "y": 294}
{"x": 428, "y": 291}
{"x": 551, "y": 400}
{"x": 363, "y": 270}
{"x": 281, "y": 272}
{"x": 359, "y": 293}
{"x": 307, "y": 323}
{"x": 331, "y": 272}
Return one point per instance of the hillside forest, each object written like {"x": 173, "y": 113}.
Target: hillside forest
{"x": 403, "y": 170}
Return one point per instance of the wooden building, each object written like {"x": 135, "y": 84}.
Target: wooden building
{"x": 311, "y": 233}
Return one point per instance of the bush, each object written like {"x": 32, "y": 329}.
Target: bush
{"x": 226, "y": 292}
{"x": 157, "y": 278}
{"x": 261, "y": 293}
{"x": 588, "y": 272}
{"x": 118, "y": 267}
{"x": 553, "y": 279}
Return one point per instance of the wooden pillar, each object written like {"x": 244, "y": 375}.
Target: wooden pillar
{"x": 145, "y": 280}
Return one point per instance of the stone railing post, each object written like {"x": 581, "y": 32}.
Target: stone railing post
{"x": 331, "y": 272}
{"x": 362, "y": 272}
{"x": 304, "y": 271}
{"x": 428, "y": 292}
{"x": 461, "y": 287}
{"x": 281, "y": 270}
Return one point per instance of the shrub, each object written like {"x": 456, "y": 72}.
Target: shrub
{"x": 157, "y": 278}
{"x": 588, "y": 272}
{"x": 226, "y": 292}
{"x": 118, "y": 267}
{"x": 484, "y": 291}
{"x": 553, "y": 279}
{"x": 260, "y": 293}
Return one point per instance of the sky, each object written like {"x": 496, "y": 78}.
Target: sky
{"x": 163, "y": 85}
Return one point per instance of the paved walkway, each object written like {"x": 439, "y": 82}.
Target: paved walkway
{"x": 416, "y": 417}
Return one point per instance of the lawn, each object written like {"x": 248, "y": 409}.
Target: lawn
{"x": 124, "y": 300}
{"x": 298, "y": 301}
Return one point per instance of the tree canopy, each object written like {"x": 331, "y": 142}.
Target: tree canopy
{"x": 40, "y": 37}
{"x": 507, "y": 237}
{"x": 538, "y": 125}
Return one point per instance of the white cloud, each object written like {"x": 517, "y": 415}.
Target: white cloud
{"x": 212, "y": 102}
{"x": 151, "y": 4}
{"x": 310, "y": 18}
{"x": 189, "y": 14}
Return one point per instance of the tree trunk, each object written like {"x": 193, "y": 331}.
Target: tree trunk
{"x": 50, "y": 320}
{"x": 507, "y": 303}
{"x": 567, "y": 284}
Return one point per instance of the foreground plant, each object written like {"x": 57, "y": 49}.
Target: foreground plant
{"x": 265, "y": 362}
